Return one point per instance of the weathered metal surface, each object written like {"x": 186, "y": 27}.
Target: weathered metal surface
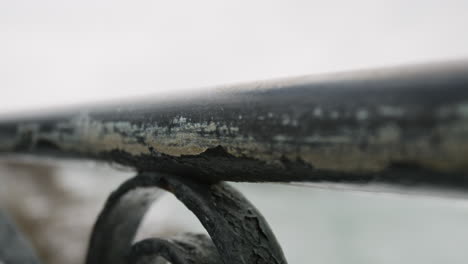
{"x": 14, "y": 249}
{"x": 183, "y": 249}
{"x": 359, "y": 126}
{"x": 239, "y": 233}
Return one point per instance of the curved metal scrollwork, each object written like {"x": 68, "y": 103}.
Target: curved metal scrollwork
{"x": 239, "y": 233}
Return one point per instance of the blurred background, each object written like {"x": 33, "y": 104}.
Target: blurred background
{"x": 55, "y": 53}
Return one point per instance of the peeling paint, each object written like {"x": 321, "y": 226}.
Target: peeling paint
{"x": 344, "y": 127}
{"x": 93, "y": 136}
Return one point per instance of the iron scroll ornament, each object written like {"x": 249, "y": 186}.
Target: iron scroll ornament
{"x": 239, "y": 233}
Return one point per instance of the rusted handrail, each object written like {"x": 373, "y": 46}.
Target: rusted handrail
{"x": 405, "y": 125}
{"x": 398, "y": 125}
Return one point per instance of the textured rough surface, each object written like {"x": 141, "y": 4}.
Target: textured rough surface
{"x": 347, "y": 127}
{"x": 238, "y": 231}
{"x": 183, "y": 249}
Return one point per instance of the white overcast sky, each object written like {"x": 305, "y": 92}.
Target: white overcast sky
{"x": 56, "y": 52}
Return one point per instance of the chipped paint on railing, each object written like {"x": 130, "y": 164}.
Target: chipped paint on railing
{"x": 342, "y": 152}
{"x": 343, "y": 125}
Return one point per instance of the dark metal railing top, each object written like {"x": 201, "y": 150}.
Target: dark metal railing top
{"x": 406, "y": 125}
{"x": 403, "y": 124}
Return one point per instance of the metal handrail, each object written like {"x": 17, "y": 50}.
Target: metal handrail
{"x": 402, "y": 124}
